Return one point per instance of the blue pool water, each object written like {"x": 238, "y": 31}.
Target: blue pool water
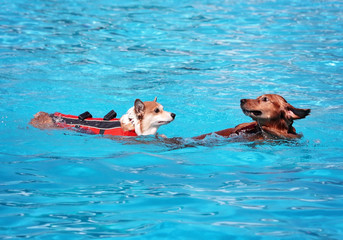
{"x": 199, "y": 58}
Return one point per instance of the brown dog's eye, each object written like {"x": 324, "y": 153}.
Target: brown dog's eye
{"x": 265, "y": 99}
{"x": 157, "y": 110}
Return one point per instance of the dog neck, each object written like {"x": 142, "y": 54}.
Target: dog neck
{"x": 280, "y": 128}
{"x": 130, "y": 121}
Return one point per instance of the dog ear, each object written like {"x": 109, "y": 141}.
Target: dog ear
{"x": 139, "y": 107}
{"x": 155, "y": 100}
{"x": 296, "y": 113}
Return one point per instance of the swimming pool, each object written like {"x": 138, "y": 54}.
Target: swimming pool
{"x": 199, "y": 58}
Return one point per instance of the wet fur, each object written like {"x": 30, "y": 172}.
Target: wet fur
{"x": 42, "y": 120}
{"x": 273, "y": 118}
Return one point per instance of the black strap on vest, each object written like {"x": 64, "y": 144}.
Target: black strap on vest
{"x": 85, "y": 115}
{"x": 112, "y": 114}
{"x": 85, "y": 122}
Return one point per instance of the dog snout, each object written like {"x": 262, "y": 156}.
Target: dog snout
{"x": 243, "y": 101}
{"x": 173, "y": 115}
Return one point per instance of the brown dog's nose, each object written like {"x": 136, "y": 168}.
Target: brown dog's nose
{"x": 243, "y": 101}
{"x": 173, "y": 115}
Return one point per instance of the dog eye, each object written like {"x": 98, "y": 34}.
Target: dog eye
{"x": 265, "y": 99}
{"x": 157, "y": 110}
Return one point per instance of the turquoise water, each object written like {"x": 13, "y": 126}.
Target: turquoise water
{"x": 199, "y": 58}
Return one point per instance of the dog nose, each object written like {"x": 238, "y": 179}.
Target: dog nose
{"x": 243, "y": 101}
{"x": 173, "y": 115}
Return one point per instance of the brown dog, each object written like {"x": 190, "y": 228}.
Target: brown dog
{"x": 273, "y": 119}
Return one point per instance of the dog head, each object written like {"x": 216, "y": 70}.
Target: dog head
{"x": 146, "y": 117}
{"x": 271, "y": 110}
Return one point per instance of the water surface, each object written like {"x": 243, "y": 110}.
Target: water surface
{"x": 199, "y": 58}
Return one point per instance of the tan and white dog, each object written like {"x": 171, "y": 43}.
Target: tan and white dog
{"x": 144, "y": 118}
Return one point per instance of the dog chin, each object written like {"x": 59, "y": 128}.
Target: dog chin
{"x": 160, "y": 123}
{"x": 252, "y": 113}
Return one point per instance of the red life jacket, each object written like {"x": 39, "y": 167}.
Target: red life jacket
{"x": 91, "y": 125}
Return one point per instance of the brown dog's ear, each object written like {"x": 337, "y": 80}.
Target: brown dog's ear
{"x": 296, "y": 113}
{"x": 155, "y": 100}
{"x": 139, "y": 107}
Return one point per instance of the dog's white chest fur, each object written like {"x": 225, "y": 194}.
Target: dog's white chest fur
{"x": 129, "y": 121}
